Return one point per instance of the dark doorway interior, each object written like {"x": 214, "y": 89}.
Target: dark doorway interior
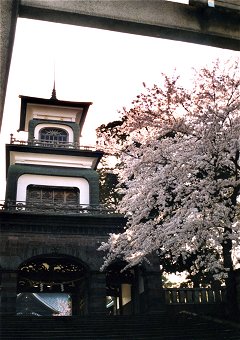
{"x": 119, "y": 289}
{"x": 52, "y": 285}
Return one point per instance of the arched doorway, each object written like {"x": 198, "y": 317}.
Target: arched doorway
{"x": 120, "y": 289}
{"x": 52, "y": 284}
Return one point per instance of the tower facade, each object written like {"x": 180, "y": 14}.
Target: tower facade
{"x": 52, "y": 222}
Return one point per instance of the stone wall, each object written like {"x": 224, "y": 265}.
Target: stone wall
{"x": 26, "y": 235}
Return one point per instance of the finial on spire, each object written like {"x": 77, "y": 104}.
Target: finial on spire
{"x": 54, "y": 93}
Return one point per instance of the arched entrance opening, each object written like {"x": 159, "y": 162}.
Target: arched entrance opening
{"x": 52, "y": 284}
{"x": 120, "y": 289}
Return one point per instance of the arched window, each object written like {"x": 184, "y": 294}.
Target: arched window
{"x": 52, "y": 135}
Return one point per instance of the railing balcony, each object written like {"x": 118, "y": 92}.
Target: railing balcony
{"x": 51, "y": 144}
{"x": 55, "y": 208}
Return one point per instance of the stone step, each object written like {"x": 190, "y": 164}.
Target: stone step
{"x": 161, "y": 326}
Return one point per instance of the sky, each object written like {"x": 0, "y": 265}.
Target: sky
{"x": 100, "y": 66}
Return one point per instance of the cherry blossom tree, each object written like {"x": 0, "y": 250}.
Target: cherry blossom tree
{"x": 179, "y": 173}
{"x": 64, "y": 307}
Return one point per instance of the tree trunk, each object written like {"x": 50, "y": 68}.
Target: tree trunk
{"x": 232, "y": 310}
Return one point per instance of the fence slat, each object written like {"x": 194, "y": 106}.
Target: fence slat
{"x": 211, "y": 298}
{"x": 218, "y": 296}
{"x": 182, "y": 296}
{"x": 175, "y": 296}
{"x": 189, "y": 296}
{"x": 167, "y": 296}
{"x": 196, "y": 296}
{"x": 203, "y": 296}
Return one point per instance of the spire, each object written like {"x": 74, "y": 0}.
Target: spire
{"x": 54, "y": 93}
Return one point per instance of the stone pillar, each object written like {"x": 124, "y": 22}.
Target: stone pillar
{"x": 97, "y": 293}
{"x": 9, "y": 292}
{"x": 154, "y": 292}
{"x": 76, "y": 300}
{"x": 136, "y": 292}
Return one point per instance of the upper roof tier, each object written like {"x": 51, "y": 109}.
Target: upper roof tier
{"x": 53, "y": 110}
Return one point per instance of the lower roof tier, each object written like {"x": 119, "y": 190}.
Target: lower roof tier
{"x": 62, "y": 156}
